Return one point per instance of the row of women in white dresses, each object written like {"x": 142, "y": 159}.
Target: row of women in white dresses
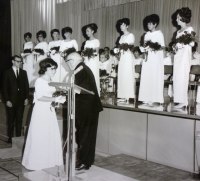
{"x": 31, "y": 62}
{"x": 152, "y": 75}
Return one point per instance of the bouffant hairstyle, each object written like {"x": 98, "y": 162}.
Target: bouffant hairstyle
{"x": 93, "y": 27}
{"x": 137, "y": 49}
{"x": 27, "y": 34}
{"x": 44, "y": 64}
{"x": 53, "y": 31}
{"x": 185, "y": 13}
{"x": 66, "y": 30}
{"x": 126, "y": 21}
{"x": 41, "y": 32}
{"x": 153, "y": 18}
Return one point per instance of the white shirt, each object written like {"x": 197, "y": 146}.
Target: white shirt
{"x": 15, "y": 70}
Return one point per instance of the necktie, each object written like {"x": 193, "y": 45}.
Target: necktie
{"x": 17, "y": 73}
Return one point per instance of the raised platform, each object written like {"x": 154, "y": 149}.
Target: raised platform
{"x": 57, "y": 174}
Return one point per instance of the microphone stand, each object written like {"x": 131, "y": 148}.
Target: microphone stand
{"x": 70, "y": 155}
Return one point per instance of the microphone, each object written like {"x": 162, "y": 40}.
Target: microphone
{"x": 78, "y": 70}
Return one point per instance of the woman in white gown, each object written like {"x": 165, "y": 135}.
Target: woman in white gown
{"x": 126, "y": 71}
{"x": 53, "y": 49}
{"x": 67, "y": 43}
{"x": 43, "y": 148}
{"x": 93, "y": 62}
{"x": 28, "y": 58}
{"x": 40, "y": 50}
{"x": 182, "y": 60}
{"x": 152, "y": 75}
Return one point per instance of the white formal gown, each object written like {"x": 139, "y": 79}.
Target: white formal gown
{"x": 65, "y": 70}
{"x": 43, "y": 148}
{"x": 93, "y": 63}
{"x": 126, "y": 71}
{"x": 182, "y": 62}
{"x": 152, "y": 75}
{"x": 57, "y": 58}
{"x": 28, "y": 63}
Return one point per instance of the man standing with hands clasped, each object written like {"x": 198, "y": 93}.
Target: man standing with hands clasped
{"x": 15, "y": 92}
{"x": 87, "y": 108}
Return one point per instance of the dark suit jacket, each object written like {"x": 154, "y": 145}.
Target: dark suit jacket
{"x": 86, "y": 104}
{"x": 10, "y": 88}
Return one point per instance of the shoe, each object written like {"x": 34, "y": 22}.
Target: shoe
{"x": 180, "y": 106}
{"x": 82, "y": 167}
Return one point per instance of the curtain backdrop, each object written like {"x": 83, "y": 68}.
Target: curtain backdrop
{"x": 95, "y": 4}
{"x": 29, "y": 15}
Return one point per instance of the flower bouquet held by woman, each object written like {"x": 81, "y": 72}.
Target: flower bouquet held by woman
{"x": 121, "y": 48}
{"x": 182, "y": 47}
{"x": 187, "y": 38}
{"x": 28, "y": 58}
{"x": 89, "y": 52}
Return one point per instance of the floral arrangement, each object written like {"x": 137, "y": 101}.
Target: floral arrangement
{"x": 123, "y": 47}
{"x": 185, "y": 39}
{"x": 89, "y": 52}
{"x": 57, "y": 94}
{"x": 40, "y": 51}
{"x": 149, "y": 45}
{"x": 27, "y": 51}
{"x": 55, "y": 48}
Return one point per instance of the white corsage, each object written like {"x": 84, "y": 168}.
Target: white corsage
{"x": 116, "y": 50}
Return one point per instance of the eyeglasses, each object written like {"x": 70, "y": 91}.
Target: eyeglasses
{"x": 18, "y": 61}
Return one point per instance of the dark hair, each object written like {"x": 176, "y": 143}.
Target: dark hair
{"x": 44, "y": 64}
{"x": 137, "y": 49}
{"x": 16, "y": 56}
{"x": 108, "y": 49}
{"x": 153, "y": 18}
{"x": 126, "y": 21}
{"x": 41, "y": 32}
{"x": 93, "y": 27}
{"x": 54, "y": 30}
{"x": 185, "y": 13}
{"x": 103, "y": 53}
{"x": 66, "y": 30}
{"x": 27, "y": 34}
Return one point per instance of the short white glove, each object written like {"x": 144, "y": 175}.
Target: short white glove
{"x": 60, "y": 99}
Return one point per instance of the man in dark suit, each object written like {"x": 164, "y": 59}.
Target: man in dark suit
{"x": 15, "y": 92}
{"x": 87, "y": 108}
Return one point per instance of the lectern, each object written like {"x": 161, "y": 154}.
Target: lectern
{"x": 71, "y": 89}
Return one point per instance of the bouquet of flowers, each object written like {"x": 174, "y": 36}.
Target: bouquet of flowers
{"x": 39, "y": 51}
{"x": 89, "y": 52}
{"x": 55, "y": 49}
{"x": 149, "y": 45}
{"x": 152, "y": 46}
{"x": 185, "y": 39}
{"x": 27, "y": 51}
{"x": 57, "y": 94}
{"x": 121, "y": 48}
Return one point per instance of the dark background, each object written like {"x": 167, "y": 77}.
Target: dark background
{"x": 5, "y": 37}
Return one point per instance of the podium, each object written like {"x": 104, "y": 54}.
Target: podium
{"x": 71, "y": 89}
